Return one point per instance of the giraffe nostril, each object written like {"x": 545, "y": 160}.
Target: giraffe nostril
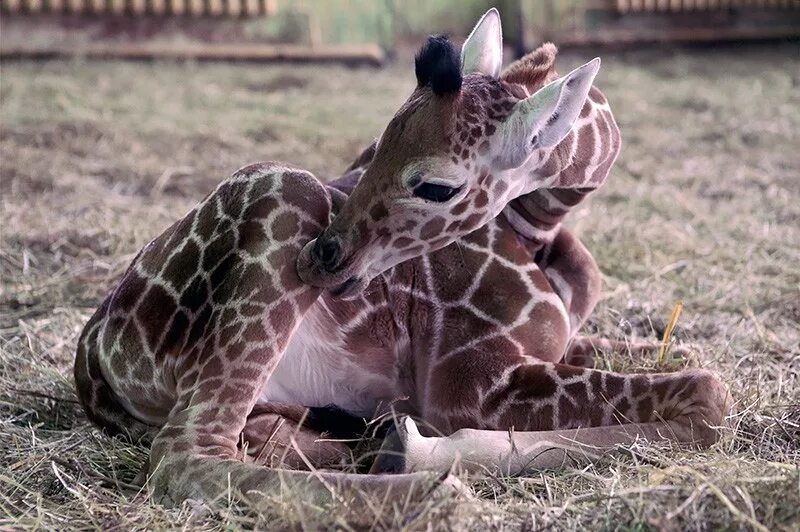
{"x": 328, "y": 252}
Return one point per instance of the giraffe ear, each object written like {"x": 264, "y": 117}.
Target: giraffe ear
{"x": 543, "y": 119}
{"x": 482, "y": 52}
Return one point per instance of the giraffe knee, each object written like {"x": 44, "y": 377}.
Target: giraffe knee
{"x": 286, "y": 190}
{"x": 587, "y": 278}
{"x": 714, "y": 399}
{"x": 702, "y": 402}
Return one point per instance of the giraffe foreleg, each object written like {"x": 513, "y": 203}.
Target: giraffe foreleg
{"x": 510, "y": 452}
{"x": 575, "y": 277}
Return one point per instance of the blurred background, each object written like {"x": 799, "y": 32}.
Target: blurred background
{"x": 370, "y": 30}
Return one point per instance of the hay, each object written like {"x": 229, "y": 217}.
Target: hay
{"x": 703, "y": 207}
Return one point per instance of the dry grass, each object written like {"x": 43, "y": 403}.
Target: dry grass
{"x": 704, "y": 207}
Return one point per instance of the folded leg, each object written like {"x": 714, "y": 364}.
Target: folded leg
{"x": 574, "y": 275}
{"x": 276, "y": 435}
{"x": 556, "y": 412}
{"x": 195, "y": 456}
{"x": 189, "y": 339}
{"x": 510, "y": 452}
{"x": 576, "y": 278}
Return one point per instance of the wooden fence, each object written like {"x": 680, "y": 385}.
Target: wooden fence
{"x": 679, "y": 6}
{"x": 221, "y": 8}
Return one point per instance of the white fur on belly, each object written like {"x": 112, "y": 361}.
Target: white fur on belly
{"x": 317, "y": 371}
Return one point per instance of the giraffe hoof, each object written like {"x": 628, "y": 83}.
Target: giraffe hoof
{"x": 392, "y": 456}
{"x": 450, "y": 486}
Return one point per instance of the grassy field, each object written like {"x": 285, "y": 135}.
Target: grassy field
{"x": 703, "y": 206}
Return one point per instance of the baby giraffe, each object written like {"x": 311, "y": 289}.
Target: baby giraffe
{"x": 253, "y": 307}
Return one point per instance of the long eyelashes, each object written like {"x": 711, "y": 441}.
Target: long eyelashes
{"x": 434, "y": 192}
{"x": 415, "y": 179}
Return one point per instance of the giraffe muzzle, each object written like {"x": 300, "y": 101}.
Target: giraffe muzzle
{"x": 325, "y": 263}
{"x": 327, "y": 252}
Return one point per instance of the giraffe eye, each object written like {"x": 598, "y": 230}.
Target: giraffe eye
{"x": 434, "y": 192}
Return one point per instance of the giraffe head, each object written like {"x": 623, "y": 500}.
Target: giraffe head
{"x": 463, "y": 145}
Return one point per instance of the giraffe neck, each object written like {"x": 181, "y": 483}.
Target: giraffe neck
{"x": 577, "y": 166}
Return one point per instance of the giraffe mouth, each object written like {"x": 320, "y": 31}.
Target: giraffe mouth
{"x": 354, "y": 285}
{"x": 342, "y": 282}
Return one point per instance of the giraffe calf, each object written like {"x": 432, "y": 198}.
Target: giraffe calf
{"x": 420, "y": 293}
{"x": 184, "y": 345}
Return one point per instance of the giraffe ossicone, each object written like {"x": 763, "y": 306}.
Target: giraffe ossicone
{"x": 464, "y": 299}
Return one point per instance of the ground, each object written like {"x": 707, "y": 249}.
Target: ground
{"x": 703, "y": 206}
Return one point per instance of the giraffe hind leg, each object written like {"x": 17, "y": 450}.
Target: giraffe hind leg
{"x": 196, "y": 460}
{"x": 223, "y": 369}
{"x": 543, "y": 415}
{"x": 574, "y": 275}
{"x": 591, "y": 351}
{"x": 98, "y": 399}
{"x": 284, "y": 436}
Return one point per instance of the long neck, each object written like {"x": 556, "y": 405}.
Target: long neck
{"x": 577, "y": 166}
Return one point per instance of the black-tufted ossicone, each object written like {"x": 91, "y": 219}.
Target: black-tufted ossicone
{"x": 438, "y": 64}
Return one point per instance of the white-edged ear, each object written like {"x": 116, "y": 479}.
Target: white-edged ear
{"x": 483, "y": 50}
{"x": 543, "y": 119}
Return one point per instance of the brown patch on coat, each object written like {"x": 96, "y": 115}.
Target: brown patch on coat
{"x": 460, "y": 325}
{"x": 182, "y": 265}
{"x": 129, "y": 292}
{"x": 455, "y": 267}
{"x": 285, "y": 226}
{"x": 155, "y": 310}
{"x": 457, "y": 381}
{"x": 500, "y": 299}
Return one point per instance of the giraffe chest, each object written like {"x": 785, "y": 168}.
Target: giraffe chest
{"x": 321, "y": 368}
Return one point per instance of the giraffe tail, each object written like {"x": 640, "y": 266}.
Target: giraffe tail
{"x": 96, "y": 396}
